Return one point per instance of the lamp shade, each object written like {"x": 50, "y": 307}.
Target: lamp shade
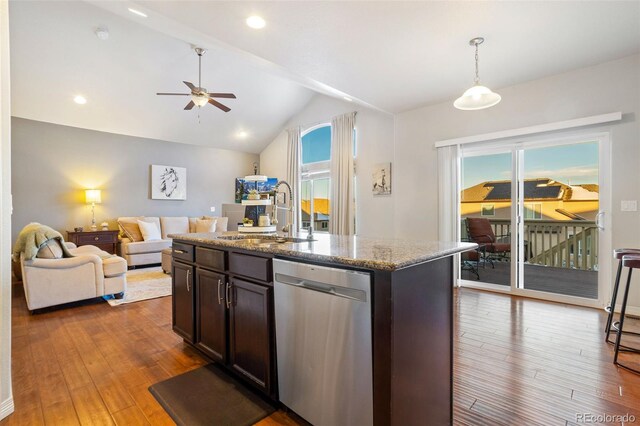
{"x": 93, "y": 196}
{"x": 199, "y": 100}
{"x": 477, "y": 97}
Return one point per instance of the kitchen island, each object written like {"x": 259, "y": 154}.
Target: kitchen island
{"x": 223, "y": 304}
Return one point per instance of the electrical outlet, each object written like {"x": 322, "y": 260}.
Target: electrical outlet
{"x": 629, "y": 205}
{"x": 213, "y": 209}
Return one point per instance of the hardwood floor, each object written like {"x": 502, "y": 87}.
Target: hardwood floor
{"x": 517, "y": 361}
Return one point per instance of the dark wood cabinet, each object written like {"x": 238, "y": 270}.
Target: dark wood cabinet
{"x": 105, "y": 240}
{"x": 228, "y": 316}
{"x": 211, "y": 314}
{"x": 183, "y": 300}
{"x": 250, "y": 319}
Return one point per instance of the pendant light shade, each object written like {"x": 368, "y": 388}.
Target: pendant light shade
{"x": 478, "y": 96}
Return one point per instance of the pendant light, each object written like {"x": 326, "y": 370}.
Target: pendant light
{"x": 477, "y": 97}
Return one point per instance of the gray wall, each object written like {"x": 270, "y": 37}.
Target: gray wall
{"x": 52, "y": 165}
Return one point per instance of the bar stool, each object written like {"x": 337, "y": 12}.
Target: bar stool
{"x": 632, "y": 262}
{"x": 617, "y": 254}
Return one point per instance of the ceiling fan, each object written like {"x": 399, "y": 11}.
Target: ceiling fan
{"x": 199, "y": 95}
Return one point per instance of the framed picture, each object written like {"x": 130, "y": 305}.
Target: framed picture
{"x": 381, "y": 179}
{"x": 168, "y": 183}
{"x": 243, "y": 188}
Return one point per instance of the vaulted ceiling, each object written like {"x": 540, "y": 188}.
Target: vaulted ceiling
{"x": 390, "y": 55}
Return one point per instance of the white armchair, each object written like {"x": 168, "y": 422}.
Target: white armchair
{"x": 90, "y": 273}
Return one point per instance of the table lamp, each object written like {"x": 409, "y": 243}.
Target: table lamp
{"x": 93, "y": 197}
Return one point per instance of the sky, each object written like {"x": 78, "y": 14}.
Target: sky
{"x": 571, "y": 164}
{"x": 316, "y": 145}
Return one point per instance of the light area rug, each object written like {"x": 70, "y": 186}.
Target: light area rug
{"x": 144, "y": 284}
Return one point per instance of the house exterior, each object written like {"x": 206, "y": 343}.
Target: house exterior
{"x": 320, "y": 214}
{"x": 544, "y": 199}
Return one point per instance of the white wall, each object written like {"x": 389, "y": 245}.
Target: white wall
{"x": 6, "y": 395}
{"x": 608, "y": 87}
{"x": 375, "y": 134}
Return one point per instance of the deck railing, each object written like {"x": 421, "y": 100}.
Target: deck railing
{"x": 560, "y": 243}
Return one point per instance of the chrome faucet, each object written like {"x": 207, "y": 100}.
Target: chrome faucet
{"x": 287, "y": 228}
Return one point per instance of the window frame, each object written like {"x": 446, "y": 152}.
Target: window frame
{"x": 309, "y": 172}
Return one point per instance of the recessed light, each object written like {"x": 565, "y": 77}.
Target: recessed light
{"x": 137, "y": 12}
{"x": 81, "y": 100}
{"x": 256, "y": 22}
{"x": 348, "y": 99}
{"x": 242, "y": 134}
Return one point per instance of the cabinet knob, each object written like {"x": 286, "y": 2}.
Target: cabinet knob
{"x": 96, "y": 238}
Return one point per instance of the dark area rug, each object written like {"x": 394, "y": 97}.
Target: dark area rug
{"x": 210, "y": 396}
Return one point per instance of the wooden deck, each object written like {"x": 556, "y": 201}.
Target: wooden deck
{"x": 517, "y": 361}
{"x": 570, "y": 282}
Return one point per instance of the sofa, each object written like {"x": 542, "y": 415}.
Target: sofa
{"x": 54, "y": 280}
{"x": 137, "y": 251}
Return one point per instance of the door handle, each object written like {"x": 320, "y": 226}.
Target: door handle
{"x": 188, "y": 285}
{"x": 219, "y": 297}
{"x": 228, "y": 295}
{"x": 598, "y": 224}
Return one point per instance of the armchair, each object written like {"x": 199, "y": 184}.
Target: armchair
{"x": 90, "y": 273}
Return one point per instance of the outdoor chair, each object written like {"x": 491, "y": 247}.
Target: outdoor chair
{"x": 479, "y": 231}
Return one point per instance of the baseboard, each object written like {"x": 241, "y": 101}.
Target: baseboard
{"x": 633, "y": 311}
{"x": 6, "y": 407}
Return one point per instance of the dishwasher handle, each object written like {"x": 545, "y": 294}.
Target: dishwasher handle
{"x": 347, "y": 293}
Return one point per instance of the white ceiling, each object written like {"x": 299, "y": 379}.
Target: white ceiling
{"x": 55, "y": 55}
{"x": 400, "y": 55}
{"x": 390, "y": 55}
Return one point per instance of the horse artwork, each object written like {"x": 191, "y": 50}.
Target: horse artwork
{"x": 168, "y": 183}
{"x": 381, "y": 179}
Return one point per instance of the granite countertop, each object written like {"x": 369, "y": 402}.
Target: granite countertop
{"x": 370, "y": 253}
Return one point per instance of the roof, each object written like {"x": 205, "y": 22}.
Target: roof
{"x": 321, "y": 207}
{"x": 534, "y": 189}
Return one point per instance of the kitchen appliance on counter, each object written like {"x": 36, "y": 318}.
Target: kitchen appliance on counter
{"x": 324, "y": 344}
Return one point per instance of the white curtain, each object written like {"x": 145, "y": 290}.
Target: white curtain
{"x": 342, "y": 196}
{"x": 293, "y": 172}
{"x": 448, "y": 197}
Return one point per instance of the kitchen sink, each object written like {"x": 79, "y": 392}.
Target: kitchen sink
{"x": 264, "y": 240}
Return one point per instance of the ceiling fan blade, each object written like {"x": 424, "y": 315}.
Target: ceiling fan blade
{"x": 219, "y": 105}
{"x": 175, "y": 94}
{"x": 189, "y": 105}
{"x": 222, "y": 95}
{"x": 190, "y": 85}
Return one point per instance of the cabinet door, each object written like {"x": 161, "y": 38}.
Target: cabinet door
{"x": 211, "y": 324}
{"x": 250, "y": 343}
{"x": 183, "y": 300}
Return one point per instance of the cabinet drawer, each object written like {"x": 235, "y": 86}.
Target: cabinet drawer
{"x": 183, "y": 252}
{"x": 250, "y": 266}
{"x": 96, "y": 239}
{"x": 210, "y": 258}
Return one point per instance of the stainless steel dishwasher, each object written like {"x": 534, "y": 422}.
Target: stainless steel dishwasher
{"x": 323, "y": 338}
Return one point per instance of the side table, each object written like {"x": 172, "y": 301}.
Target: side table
{"x": 105, "y": 240}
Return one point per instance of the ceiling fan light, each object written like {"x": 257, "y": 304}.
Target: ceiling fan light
{"x": 477, "y": 97}
{"x": 199, "y": 100}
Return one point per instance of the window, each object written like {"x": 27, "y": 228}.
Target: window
{"x": 533, "y": 210}
{"x": 488, "y": 210}
{"x": 316, "y": 178}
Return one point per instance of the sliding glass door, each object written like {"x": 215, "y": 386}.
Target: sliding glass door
{"x": 536, "y": 211}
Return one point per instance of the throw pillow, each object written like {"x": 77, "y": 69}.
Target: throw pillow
{"x": 130, "y": 228}
{"x": 50, "y": 250}
{"x": 149, "y": 231}
{"x": 221, "y": 222}
{"x": 205, "y": 225}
